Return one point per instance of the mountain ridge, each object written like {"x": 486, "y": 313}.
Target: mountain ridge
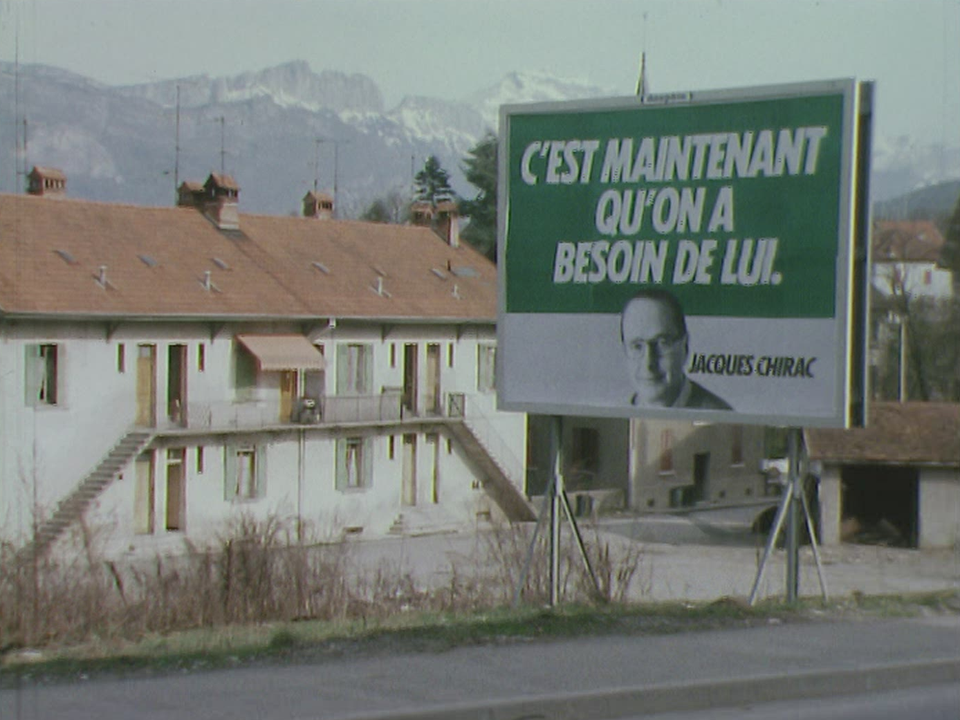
{"x": 286, "y": 127}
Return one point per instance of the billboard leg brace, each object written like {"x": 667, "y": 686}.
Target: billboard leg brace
{"x": 793, "y": 496}
{"x": 556, "y": 499}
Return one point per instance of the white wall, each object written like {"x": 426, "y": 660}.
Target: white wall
{"x": 830, "y": 501}
{"x": 49, "y": 450}
{"x": 939, "y": 508}
{"x": 918, "y": 279}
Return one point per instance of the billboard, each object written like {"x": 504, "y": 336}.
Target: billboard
{"x": 691, "y": 256}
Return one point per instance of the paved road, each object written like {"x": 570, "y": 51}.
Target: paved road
{"x": 605, "y": 677}
{"x": 932, "y": 702}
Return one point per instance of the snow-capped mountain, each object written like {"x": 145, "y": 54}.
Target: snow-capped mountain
{"x": 537, "y": 86}
{"x": 902, "y": 164}
{"x": 282, "y": 129}
{"x": 291, "y": 84}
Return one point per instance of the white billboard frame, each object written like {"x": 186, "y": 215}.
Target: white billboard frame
{"x": 847, "y": 336}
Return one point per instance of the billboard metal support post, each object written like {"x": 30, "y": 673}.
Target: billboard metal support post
{"x": 558, "y": 502}
{"x": 793, "y": 520}
{"x": 792, "y": 503}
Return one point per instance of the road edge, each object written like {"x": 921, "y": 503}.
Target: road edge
{"x": 690, "y": 697}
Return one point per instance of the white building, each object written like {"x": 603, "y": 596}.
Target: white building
{"x": 163, "y": 370}
{"x": 906, "y": 260}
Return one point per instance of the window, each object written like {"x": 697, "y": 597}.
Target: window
{"x": 42, "y": 365}
{"x": 199, "y": 459}
{"x": 393, "y": 355}
{"x": 354, "y": 463}
{"x": 245, "y": 370}
{"x": 245, "y": 472}
{"x": 736, "y": 445}
{"x": 354, "y": 369}
{"x": 486, "y": 368}
{"x": 666, "y": 451}
{"x": 201, "y": 357}
{"x": 121, "y": 358}
{"x": 391, "y": 447}
{"x": 584, "y": 452}
{"x": 176, "y": 496}
{"x": 450, "y": 355}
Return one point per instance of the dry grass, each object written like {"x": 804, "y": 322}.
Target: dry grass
{"x": 263, "y": 571}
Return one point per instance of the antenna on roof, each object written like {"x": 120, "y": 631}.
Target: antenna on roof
{"x": 223, "y": 151}
{"x": 176, "y": 155}
{"x": 642, "y": 80}
{"x": 20, "y": 148}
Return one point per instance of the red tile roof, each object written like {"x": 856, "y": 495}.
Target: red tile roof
{"x": 900, "y": 433}
{"x": 907, "y": 240}
{"x": 156, "y": 260}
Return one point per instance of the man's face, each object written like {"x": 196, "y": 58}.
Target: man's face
{"x": 656, "y": 351}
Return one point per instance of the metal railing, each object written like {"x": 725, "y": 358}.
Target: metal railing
{"x": 482, "y": 428}
{"x": 256, "y": 414}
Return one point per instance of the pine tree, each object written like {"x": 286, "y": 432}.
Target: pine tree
{"x": 480, "y": 168}
{"x": 433, "y": 182}
{"x": 950, "y": 255}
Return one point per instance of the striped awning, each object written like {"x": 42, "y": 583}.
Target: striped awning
{"x": 283, "y": 352}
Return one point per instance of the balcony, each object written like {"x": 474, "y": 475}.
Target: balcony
{"x": 226, "y": 416}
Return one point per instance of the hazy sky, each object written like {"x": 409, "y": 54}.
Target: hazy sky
{"x": 451, "y": 48}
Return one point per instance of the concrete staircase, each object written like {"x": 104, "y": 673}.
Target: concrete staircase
{"x": 424, "y": 520}
{"x": 495, "y": 481}
{"x": 72, "y": 507}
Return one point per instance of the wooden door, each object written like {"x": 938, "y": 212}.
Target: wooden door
{"x": 177, "y": 384}
{"x": 433, "y": 379}
{"x": 144, "y": 503}
{"x": 288, "y": 394}
{"x": 410, "y": 378}
{"x": 433, "y": 458}
{"x": 147, "y": 385}
{"x": 176, "y": 489}
{"x": 408, "y": 493}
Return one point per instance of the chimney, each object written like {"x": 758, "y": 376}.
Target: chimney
{"x": 190, "y": 194}
{"x": 421, "y": 214}
{"x": 47, "y": 181}
{"x": 318, "y": 205}
{"x": 447, "y": 222}
{"x": 220, "y": 201}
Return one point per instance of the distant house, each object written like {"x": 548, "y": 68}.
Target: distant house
{"x": 907, "y": 259}
{"x": 163, "y": 370}
{"x": 897, "y": 479}
{"x": 650, "y": 465}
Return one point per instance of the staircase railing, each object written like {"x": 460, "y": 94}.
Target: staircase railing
{"x": 486, "y": 434}
{"x": 72, "y": 505}
{"x": 256, "y": 414}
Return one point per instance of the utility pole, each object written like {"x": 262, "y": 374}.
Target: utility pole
{"x": 223, "y": 150}
{"x": 176, "y": 151}
{"x": 336, "y": 167}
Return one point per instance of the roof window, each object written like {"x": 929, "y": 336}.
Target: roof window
{"x": 66, "y": 257}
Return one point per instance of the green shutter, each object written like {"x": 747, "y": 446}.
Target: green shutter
{"x": 367, "y": 462}
{"x": 341, "y": 464}
{"x": 261, "y": 470}
{"x": 33, "y": 367}
{"x": 366, "y": 358}
{"x": 229, "y": 471}
{"x": 342, "y": 364}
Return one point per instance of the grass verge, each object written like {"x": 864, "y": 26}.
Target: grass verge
{"x": 317, "y": 641}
